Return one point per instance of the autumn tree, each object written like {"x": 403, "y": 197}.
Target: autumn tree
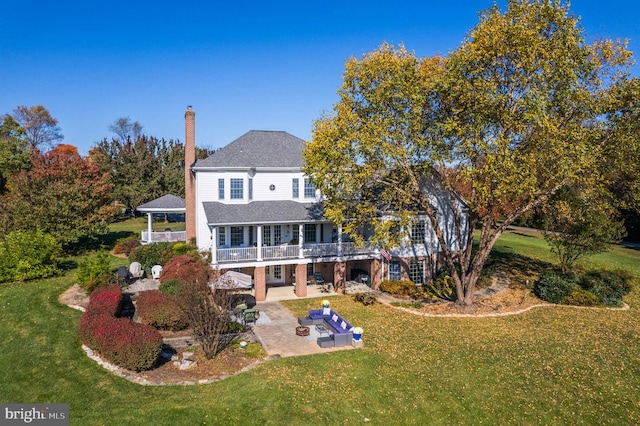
{"x": 62, "y": 194}
{"x": 40, "y": 129}
{"x": 506, "y": 120}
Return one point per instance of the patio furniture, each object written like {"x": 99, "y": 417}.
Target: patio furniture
{"x": 302, "y": 330}
{"x": 321, "y": 329}
{"x": 123, "y": 275}
{"x": 249, "y": 316}
{"x": 156, "y": 271}
{"x": 135, "y": 270}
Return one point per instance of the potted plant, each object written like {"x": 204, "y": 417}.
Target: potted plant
{"x": 325, "y": 308}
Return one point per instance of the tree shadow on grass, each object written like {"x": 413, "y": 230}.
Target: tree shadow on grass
{"x": 521, "y": 269}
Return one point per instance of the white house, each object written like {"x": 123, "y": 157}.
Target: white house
{"x": 251, "y": 206}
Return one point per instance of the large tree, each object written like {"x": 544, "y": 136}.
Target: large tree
{"x": 14, "y": 151}
{"x": 126, "y": 129}
{"x": 506, "y": 120}
{"x": 40, "y": 129}
{"x": 62, "y": 194}
{"x": 142, "y": 169}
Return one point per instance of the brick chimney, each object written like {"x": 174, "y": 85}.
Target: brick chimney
{"x": 189, "y": 178}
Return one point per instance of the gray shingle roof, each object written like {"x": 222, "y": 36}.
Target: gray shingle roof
{"x": 258, "y": 148}
{"x": 165, "y": 203}
{"x": 260, "y": 212}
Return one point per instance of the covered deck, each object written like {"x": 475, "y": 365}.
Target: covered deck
{"x": 166, "y": 204}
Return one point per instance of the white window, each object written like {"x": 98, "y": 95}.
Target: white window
{"x": 237, "y": 236}
{"x": 266, "y": 235}
{"x": 394, "y": 270}
{"x": 277, "y": 234}
{"x": 222, "y": 239}
{"x": 220, "y": 189}
{"x": 236, "y": 189}
{"x": 417, "y": 232}
{"x": 309, "y": 233}
{"x": 251, "y": 189}
{"x": 296, "y": 187}
{"x": 416, "y": 271}
{"x": 309, "y": 189}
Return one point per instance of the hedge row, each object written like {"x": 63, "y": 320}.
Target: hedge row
{"x": 125, "y": 343}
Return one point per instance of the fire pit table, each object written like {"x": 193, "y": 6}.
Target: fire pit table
{"x": 302, "y": 330}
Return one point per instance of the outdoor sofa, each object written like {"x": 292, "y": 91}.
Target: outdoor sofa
{"x": 340, "y": 330}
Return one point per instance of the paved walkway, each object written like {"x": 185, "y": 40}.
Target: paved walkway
{"x": 278, "y": 337}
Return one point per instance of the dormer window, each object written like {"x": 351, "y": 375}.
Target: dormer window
{"x": 236, "y": 189}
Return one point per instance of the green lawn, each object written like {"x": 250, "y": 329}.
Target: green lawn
{"x": 548, "y": 366}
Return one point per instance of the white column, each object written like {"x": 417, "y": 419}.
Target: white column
{"x": 214, "y": 245}
{"x": 259, "y": 245}
{"x": 149, "y": 227}
{"x": 340, "y": 240}
{"x": 301, "y": 241}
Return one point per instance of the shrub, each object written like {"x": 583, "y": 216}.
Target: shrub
{"x": 170, "y": 287}
{"x": 554, "y": 288}
{"x": 365, "y": 298}
{"x": 151, "y": 254}
{"x": 93, "y": 268}
{"x": 27, "y": 255}
{"x": 608, "y": 287}
{"x": 160, "y": 311}
{"x": 101, "y": 282}
{"x": 160, "y": 253}
{"x": 581, "y": 297}
{"x": 107, "y": 300}
{"x": 130, "y": 345}
{"x": 442, "y": 286}
{"x": 91, "y": 327}
{"x": 127, "y": 344}
{"x": 187, "y": 269}
{"x": 126, "y": 245}
{"x": 400, "y": 287}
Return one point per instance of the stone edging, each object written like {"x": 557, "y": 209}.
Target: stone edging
{"x": 504, "y": 314}
{"x": 142, "y": 381}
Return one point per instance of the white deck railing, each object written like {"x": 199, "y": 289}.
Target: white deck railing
{"x": 158, "y": 237}
{"x": 243, "y": 254}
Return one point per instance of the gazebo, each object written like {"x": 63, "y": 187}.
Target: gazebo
{"x": 165, "y": 204}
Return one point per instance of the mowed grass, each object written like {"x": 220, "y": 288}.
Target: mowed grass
{"x": 548, "y": 366}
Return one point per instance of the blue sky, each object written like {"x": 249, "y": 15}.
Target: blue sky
{"x": 243, "y": 66}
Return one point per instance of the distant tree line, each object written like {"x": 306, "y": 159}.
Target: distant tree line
{"x": 50, "y": 188}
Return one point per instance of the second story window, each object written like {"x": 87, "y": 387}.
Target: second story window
{"x": 250, "y": 189}
{"x": 309, "y": 189}
{"x": 236, "y": 189}
{"x": 296, "y": 187}
{"x": 417, "y": 232}
{"x": 220, "y": 189}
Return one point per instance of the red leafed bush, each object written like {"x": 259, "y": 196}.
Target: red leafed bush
{"x": 160, "y": 311}
{"x": 106, "y": 300}
{"x": 129, "y": 344}
{"x": 187, "y": 269}
{"x": 91, "y": 328}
